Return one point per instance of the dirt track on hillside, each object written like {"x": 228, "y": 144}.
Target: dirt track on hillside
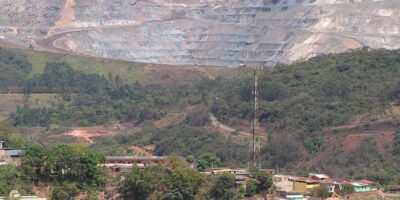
{"x": 48, "y": 42}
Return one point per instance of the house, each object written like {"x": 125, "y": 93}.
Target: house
{"x": 304, "y": 185}
{"x": 367, "y": 181}
{"x": 346, "y": 180}
{"x": 10, "y": 153}
{"x": 283, "y": 183}
{"x": 241, "y": 175}
{"x": 333, "y": 185}
{"x": 16, "y": 195}
{"x": 125, "y": 163}
{"x": 361, "y": 187}
{"x": 319, "y": 177}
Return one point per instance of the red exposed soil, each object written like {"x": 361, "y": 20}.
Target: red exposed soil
{"x": 353, "y": 140}
{"x": 88, "y": 134}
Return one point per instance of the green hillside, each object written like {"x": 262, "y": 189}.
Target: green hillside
{"x": 302, "y": 107}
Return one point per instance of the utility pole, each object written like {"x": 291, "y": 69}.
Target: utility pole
{"x": 256, "y": 142}
{"x": 254, "y": 157}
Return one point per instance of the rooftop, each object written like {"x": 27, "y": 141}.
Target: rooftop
{"x": 320, "y": 176}
{"x": 359, "y": 184}
{"x": 136, "y": 158}
{"x": 306, "y": 180}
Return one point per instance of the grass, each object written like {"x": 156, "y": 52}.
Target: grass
{"x": 10, "y": 102}
{"x": 129, "y": 71}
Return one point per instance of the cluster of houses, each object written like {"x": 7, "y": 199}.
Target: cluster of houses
{"x": 298, "y": 188}
{"x": 289, "y": 185}
{"x": 285, "y": 186}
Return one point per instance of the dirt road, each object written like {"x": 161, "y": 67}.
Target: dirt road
{"x": 219, "y": 125}
{"x": 48, "y": 43}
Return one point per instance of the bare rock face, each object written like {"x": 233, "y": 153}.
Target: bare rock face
{"x": 202, "y": 32}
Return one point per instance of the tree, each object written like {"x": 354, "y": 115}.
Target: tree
{"x": 348, "y": 189}
{"x": 185, "y": 180}
{"x": 321, "y": 191}
{"x": 313, "y": 144}
{"x": 174, "y": 162}
{"x": 6, "y": 129}
{"x": 172, "y": 195}
{"x": 199, "y": 117}
{"x": 191, "y": 159}
{"x": 207, "y": 160}
{"x": 264, "y": 181}
{"x": 223, "y": 187}
{"x": 11, "y": 138}
{"x": 64, "y": 163}
{"x": 140, "y": 183}
{"x": 16, "y": 140}
{"x": 251, "y": 188}
{"x": 64, "y": 191}
{"x": 11, "y": 179}
{"x": 91, "y": 173}
{"x": 35, "y": 162}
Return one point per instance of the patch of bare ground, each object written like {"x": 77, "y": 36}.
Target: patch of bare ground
{"x": 389, "y": 115}
{"x": 88, "y": 135}
{"x": 380, "y": 126}
{"x": 43, "y": 191}
{"x": 67, "y": 15}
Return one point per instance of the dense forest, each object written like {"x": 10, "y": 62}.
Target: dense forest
{"x": 297, "y": 102}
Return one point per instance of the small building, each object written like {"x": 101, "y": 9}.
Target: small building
{"x": 136, "y": 159}
{"x": 333, "y": 185}
{"x": 241, "y": 175}
{"x": 361, "y": 187}
{"x": 319, "y": 177}
{"x": 346, "y": 180}
{"x": 11, "y": 153}
{"x": 283, "y": 183}
{"x": 295, "y": 196}
{"x": 366, "y": 181}
{"x": 304, "y": 185}
{"x": 125, "y": 163}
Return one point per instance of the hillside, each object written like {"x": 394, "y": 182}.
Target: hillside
{"x": 333, "y": 113}
{"x": 211, "y": 32}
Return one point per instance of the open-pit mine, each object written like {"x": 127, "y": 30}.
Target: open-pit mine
{"x": 201, "y": 32}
